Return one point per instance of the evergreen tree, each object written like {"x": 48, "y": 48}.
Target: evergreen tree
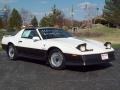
{"x": 112, "y": 11}
{"x": 46, "y": 21}
{"x": 34, "y": 22}
{"x": 54, "y": 18}
{"x": 15, "y": 20}
{"x": 1, "y": 23}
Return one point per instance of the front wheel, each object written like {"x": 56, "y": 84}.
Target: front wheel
{"x": 12, "y": 53}
{"x": 56, "y": 59}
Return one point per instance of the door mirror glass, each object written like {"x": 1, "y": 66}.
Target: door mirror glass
{"x": 36, "y": 39}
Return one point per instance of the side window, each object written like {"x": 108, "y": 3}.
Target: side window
{"x": 42, "y": 33}
{"x": 29, "y": 34}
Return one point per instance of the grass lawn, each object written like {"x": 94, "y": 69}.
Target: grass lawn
{"x": 116, "y": 46}
{"x": 103, "y": 34}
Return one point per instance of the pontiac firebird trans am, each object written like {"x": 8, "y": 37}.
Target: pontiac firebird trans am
{"x": 57, "y": 47}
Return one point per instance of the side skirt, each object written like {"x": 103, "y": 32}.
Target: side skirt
{"x": 31, "y": 57}
{"x": 32, "y": 53}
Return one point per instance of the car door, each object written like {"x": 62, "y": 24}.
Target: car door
{"x": 28, "y": 47}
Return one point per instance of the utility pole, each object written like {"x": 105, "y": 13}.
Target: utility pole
{"x": 97, "y": 15}
{"x": 72, "y": 15}
{"x": 97, "y": 11}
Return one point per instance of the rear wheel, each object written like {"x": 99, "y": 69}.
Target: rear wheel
{"x": 56, "y": 59}
{"x": 12, "y": 53}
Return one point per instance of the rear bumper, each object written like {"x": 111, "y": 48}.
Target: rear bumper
{"x": 93, "y": 59}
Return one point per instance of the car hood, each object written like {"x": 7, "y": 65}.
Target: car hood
{"x": 74, "y": 42}
{"x": 68, "y": 45}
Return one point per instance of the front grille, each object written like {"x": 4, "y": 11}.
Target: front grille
{"x": 96, "y": 58}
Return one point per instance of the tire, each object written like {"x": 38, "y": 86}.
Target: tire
{"x": 12, "y": 52}
{"x": 56, "y": 59}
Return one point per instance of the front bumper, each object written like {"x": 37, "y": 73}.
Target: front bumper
{"x": 93, "y": 59}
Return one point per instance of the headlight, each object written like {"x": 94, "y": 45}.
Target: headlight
{"x": 82, "y": 47}
{"x": 108, "y": 45}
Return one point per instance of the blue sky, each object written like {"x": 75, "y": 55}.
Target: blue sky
{"x": 42, "y": 7}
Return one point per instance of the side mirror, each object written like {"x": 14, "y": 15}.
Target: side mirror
{"x": 36, "y": 39}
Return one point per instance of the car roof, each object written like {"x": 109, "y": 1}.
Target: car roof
{"x": 41, "y": 28}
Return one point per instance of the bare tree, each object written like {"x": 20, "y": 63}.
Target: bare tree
{"x": 26, "y": 16}
{"x": 90, "y": 13}
{"x": 5, "y": 14}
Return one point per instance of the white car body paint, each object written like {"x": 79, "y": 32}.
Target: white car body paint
{"x": 66, "y": 45}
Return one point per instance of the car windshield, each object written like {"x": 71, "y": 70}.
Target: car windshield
{"x": 54, "y": 33}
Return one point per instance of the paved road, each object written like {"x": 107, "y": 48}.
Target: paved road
{"x": 27, "y": 74}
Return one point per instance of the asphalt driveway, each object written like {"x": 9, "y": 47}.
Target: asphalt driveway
{"x": 26, "y": 74}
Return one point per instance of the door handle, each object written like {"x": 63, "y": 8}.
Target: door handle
{"x": 19, "y": 41}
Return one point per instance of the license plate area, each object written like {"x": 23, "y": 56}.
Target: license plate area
{"x": 104, "y": 56}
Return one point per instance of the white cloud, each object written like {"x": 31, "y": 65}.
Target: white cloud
{"x": 86, "y": 5}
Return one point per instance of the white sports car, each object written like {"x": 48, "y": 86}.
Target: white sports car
{"x": 57, "y": 47}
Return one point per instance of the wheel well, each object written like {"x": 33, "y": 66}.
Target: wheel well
{"x": 9, "y": 44}
{"x": 52, "y": 48}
